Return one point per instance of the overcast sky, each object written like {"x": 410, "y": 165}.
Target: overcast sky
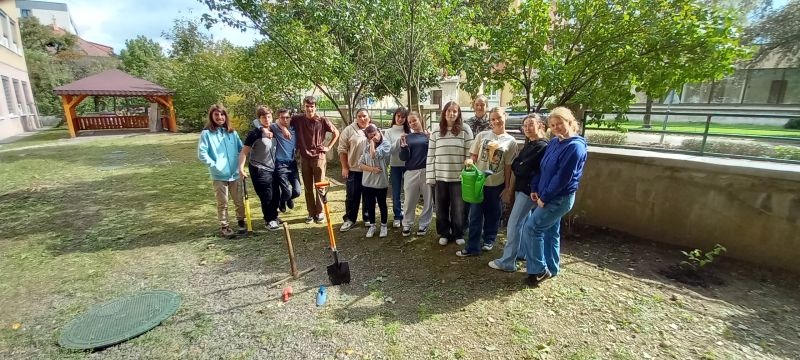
{"x": 112, "y": 22}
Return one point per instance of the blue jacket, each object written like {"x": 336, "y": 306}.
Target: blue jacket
{"x": 561, "y": 168}
{"x": 219, "y": 150}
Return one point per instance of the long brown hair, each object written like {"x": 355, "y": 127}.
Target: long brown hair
{"x": 457, "y": 125}
{"x": 211, "y": 125}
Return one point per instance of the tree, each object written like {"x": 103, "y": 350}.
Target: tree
{"x": 778, "y": 32}
{"x": 140, "y": 56}
{"x": 409, "y": 43}
{"x": 515, "y": 47}
{"x": 595, "y": 52}
{"x": 36, "y": 36}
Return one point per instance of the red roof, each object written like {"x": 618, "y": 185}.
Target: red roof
{"x": 112, "y": 83}
{"x": 88, "y": 48}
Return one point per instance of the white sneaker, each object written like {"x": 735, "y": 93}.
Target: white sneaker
{"x": 273, "y": 225}
{"x": 443, "y": 241}
{"x": 460, "y": 241}
{"x": 384, "y": 230}
{"x": 347, "y": 225}
{"x": 396, "y": 224}
{"x": 367, "y": 224}
{"x": 371, "y": 231}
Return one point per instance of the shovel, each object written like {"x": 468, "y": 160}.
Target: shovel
{"x": 247, "y": 215}
{"x": 338, "y": 272}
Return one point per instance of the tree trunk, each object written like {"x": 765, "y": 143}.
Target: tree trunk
{"x": 413, "y": 99}
{"x": 648, "y": 107}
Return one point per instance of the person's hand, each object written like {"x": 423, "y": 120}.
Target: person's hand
{"x": 403, "y": 142}
{"x": 287, "y": 134}
{"x": 377, "y": 170}
{"x": 323, "y": 149}
{"x": 266, "y": 132}
{"x": 468, "y": 162}
{"x": 345, "y": 173}
{"x": 534, "y": 196}
{"x": 540, "y": 203}
{"x": 505, "y": 195}
{"x": 242, "y": 174}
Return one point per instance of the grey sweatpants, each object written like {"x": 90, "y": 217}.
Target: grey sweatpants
{"x": 414, "y": 185}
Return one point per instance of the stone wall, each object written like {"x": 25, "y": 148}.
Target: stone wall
{"x": 750, "y": 207}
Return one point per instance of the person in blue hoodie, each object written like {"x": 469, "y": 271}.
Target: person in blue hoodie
{"x": 553, "y": 190}
{"x": 219, "y": 149}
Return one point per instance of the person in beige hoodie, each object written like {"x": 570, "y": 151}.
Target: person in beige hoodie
{"x": 351, "y": 148}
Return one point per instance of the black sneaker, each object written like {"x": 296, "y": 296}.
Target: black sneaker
{"x": 406, "y": 231}
{"x": 282, "y": 206}
{"x": 309, "y": 219}
{"x": 290, "y": 204}
{"x": 242, "y": 227}
{"x": 535, "y": 280}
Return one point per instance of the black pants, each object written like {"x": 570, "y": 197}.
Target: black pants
{"x": 353, "y": 198}
{"x": 266, "y": 189}
{"x": 449, "y": 210}
{"x": 371, "y": 197}
{"x": 288, "y": 179}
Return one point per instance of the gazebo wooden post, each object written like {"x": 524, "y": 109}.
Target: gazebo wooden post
{"x": 65, "y": 102}
{"x": 173, "y": 124}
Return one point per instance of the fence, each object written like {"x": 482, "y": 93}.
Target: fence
{"x": 697, "y": 133}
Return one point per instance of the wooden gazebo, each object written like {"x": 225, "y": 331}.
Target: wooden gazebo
{"x": 117, "y": 84}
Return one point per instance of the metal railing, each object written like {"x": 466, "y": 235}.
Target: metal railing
{"x": 707, "y": 133}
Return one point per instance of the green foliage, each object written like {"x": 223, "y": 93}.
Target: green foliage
{"x": 792, "y": 124}
{"x": 598, "y": 51}
{"x": 697, "y": 259}
{"x": 728, "y": 147}
{"x": 608, "y": 138}
{"x": 787, "y": 152}
{"x": 140, "y": 56}
{"x": 52, "y": 61}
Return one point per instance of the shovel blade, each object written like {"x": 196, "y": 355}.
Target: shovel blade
{"x": 339, "y": 273}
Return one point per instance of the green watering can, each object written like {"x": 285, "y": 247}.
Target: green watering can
{"x": 472, "y": 181}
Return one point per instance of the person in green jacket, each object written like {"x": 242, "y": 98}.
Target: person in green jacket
{"x": 219, "y": 149}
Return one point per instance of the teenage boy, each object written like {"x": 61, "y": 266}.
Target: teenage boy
{"x": 286, "y": 174}
{"x": 262, "y": 150}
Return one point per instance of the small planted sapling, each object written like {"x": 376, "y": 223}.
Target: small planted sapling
{"x": 697, "y": 260}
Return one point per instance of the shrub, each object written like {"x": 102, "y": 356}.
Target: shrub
{"x": 792, "y": 124}
{"x": 608, "y": 139}
{"x": 787, "y": 152}
{"x": 728, "y": 147}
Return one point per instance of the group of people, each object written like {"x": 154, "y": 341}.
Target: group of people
{"x": 539, "y": 177}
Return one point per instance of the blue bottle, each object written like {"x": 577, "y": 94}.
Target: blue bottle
{"x": 322, "y": 296}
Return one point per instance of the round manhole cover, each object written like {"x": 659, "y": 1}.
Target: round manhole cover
{"x": 119, "y": 320}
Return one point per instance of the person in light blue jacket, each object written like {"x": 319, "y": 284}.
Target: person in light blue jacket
{"x": 553, "y": 190}
{"x": 375, "y": 180}
{"x": 219, "y": 149}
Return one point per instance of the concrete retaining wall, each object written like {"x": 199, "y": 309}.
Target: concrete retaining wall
{"x": 750, "y": 207}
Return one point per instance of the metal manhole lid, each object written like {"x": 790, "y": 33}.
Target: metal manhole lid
{"x": 119, "y": 320}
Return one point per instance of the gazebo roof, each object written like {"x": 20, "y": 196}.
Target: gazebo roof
{"x": 112, "y": 83}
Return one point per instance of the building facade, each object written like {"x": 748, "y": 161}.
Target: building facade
{"x": 18, "y": 111}
{"x": 48, "y": 13}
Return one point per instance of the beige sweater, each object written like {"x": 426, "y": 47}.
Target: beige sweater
{"x": 351, "y": 142}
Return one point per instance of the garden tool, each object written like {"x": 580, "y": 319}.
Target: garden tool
{"x": 247, "y": 214}
{"x": 338, "y": 272}
{"x": 294, "y": 273}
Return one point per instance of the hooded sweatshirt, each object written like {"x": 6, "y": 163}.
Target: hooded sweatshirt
{"x": 219, "y": 150}
{"x": 561, "y": 168}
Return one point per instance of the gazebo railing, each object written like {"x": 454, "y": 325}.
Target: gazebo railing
{"x": 103, "y": 122}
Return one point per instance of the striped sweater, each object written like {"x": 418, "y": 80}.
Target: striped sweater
{"x": 446, "y": 155}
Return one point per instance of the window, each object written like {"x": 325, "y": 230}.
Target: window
{"x": 4, "y": 29}
{"x": 25, "y": 13}
{"x": 17, "y": 91}
{"x": 13, "y": 35}
{"x": 9, "y": 98}
{"x": 729, "y": 89}
{"x": 27, "y": 91}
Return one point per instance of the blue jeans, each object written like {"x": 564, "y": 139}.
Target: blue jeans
{"x": 522, "y": 207}
{"x": 396, "y": 175}
{"x": 541, "y": 237}
{"x": 288, "y": 180}
{"x": 484, "y": 219}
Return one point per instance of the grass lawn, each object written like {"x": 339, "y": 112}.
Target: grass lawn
{"x": 90, "y": 219}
